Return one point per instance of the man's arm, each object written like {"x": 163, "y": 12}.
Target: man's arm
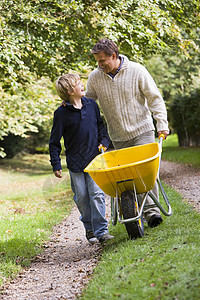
{"x": 90, "y": 91}
{"x": 155, "y": 101}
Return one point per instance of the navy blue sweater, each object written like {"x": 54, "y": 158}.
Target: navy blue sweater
{"x": 82, "y": 130}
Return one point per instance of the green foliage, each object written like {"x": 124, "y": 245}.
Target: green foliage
{"x": 175, "y": 75}
{"x": 178, "y": 78}
{"x": 44, "y": 38}
{"x": 48, "y": 37}
{"x": 26, "y": 111}
{"x": 186, "y": 122}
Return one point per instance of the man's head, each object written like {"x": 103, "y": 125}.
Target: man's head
{"x": 106, "y": 46}
{"x": 106, "y": 54}
{"x": 66, "y": 84}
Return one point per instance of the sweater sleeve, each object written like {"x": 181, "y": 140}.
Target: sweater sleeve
{"x": 154, "y": 99}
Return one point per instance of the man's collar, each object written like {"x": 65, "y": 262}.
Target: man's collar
{"x": 122, "y": 60}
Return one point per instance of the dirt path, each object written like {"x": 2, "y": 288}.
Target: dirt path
{"x": 63, "y": 269}
{"x": 184, "y": 179}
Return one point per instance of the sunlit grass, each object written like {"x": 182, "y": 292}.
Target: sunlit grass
{"x": 186, "y": 155}
{"x": 32, "y": 201}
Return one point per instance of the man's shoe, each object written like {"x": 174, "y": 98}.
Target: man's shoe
{"x": 154, "y": 221}
{"x": 91, "y": 237}
{"x": 105, "y": 237}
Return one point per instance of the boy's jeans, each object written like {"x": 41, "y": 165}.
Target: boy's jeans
{"x": 145, "y": 138}
{"x": 90, "y": 201}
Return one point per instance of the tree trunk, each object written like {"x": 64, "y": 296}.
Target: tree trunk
{"x": 187, "y": 140}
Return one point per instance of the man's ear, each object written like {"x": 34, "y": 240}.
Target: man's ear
{"x": 114, "y": 56}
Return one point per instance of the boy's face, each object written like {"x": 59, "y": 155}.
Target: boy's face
{"x": 78, "y": 89}
{"x": 107, "y": 63}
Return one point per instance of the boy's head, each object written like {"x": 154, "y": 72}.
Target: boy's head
{"x": 65, "y": 84}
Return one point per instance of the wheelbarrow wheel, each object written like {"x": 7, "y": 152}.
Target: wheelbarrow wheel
{"x": 129, "y": 209}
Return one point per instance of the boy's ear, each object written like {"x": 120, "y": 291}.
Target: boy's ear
{"x": 70, "y": 93}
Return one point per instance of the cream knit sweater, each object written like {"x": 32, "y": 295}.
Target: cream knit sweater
{"x": 127, "y": 101}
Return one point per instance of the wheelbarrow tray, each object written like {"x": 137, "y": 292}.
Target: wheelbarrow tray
{"x": 117, "y": 170}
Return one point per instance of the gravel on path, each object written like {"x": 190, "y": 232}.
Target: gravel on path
{"x": 62, "y": 269}
{"x": 184, "y": 179}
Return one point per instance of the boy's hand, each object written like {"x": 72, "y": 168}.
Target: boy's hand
{"x": 102, "y": 148}
{"x": 58, "y": 173}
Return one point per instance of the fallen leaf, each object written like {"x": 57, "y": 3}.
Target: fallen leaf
{"x": 152, "y": 284}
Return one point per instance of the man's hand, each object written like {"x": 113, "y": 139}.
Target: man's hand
{"x": 58, "y": 173}
{"x": 165, "y": 132}
{"x": 63, "y": 103}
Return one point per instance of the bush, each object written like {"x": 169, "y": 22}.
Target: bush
{"x": 185, "y": 112}
{"x": 12, "y": 144}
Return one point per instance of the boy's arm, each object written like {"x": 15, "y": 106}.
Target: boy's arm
{"x": 54, "y": 143}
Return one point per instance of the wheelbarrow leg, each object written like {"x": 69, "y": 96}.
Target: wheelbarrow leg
{"x": 166, "y": 213}
{"x": 114, "y": 210}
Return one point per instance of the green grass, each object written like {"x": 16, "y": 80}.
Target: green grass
{"x": 164, "y": 264}
{"x": 32, "y": 201}
{"x": 186, "y": 155}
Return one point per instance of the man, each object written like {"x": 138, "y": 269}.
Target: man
{"x": 128, "y": 96}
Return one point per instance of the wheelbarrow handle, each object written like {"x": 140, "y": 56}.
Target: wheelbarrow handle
{"x": 161, "y": 136}
{"x": 161, "y": 139}
{"x": 102, "y": 149}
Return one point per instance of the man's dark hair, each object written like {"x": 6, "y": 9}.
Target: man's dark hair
{"x": 107, "y": 46}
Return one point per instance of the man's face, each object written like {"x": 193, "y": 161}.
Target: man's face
{"x": 107, "y": 63}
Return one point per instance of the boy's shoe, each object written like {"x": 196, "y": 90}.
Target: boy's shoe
{"x": 91, "y": 237}
{"x": 155, "y": 220}
{"x": 105, "y": 237}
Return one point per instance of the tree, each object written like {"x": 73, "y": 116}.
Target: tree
{"x": 45, "y": 38}
{"x": 186, "y": 122}
{"x": 26, "y": 110}
{"x": 179, "y": 78}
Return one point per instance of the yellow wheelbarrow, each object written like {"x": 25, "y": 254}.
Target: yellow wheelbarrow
{"x": 125, "y": 173}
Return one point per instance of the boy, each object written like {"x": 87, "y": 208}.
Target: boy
{"x": 81, "y": 126}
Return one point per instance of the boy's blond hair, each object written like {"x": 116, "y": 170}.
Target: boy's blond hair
{"x": 65, "y": 84}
